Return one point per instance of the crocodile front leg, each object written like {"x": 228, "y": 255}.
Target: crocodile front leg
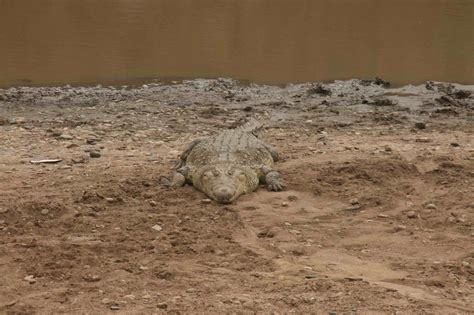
{"x": 272, "y": 179}
{"x": 184, "y": 155}
{"x": 179, "y": 178}
{"x": 273, "y": 152}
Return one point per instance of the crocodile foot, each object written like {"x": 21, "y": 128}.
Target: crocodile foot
{"x": 274, "y": 181}
{"x": 177, "y": 180}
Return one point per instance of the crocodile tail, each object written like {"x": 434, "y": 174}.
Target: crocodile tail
{"x": 253, "y": 126}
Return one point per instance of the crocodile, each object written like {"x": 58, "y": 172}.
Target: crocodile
{"x": 229, "y": 164}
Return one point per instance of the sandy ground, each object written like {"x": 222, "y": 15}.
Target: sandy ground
{"x": 376, "y": 218}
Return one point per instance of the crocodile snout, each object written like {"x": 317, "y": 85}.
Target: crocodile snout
{"x": 224, "y": 194}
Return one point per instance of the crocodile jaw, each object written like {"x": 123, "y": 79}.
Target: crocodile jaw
{"x": 223, "y": 187}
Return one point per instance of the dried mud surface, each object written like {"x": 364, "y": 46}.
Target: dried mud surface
{"x": 376, "y": 218}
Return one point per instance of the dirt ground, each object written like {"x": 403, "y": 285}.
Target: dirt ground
{"x": 377, "y": 216}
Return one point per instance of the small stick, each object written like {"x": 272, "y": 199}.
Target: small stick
{"x": 46, "y": 161}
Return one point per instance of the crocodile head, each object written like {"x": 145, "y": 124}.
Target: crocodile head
{"x": 225, "y": 183}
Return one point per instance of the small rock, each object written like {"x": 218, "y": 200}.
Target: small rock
{"x": 284, "y": 204}
{"x": 92, "y": 141}
{"x": 380, "y": 215}
{"x": 91, "y": 278}
{"x": 65, "y": 137}
{"x": 423, "y": 140}
{"x": 420, "y": 125}
{"x": 44, "y": 211}
{"x": 110, "y": 200}
{"x": 30, "y": 278}
{"x": 114, "y": 307}
{"x": 292, "y": 198}
{"x": 354, "y": 201}
{"x": 219, "y": 252}
{"x": 460, "y": 220}
{"x": 411, "y": 214}
{"x": 399, "y": 228}
{"x": 455, "y": 144}
{"x": 430, "y": 206}
{"x": 153, "y": 203}
{"x": 206, "y": 201}
{"x": 156, "y": 227}
{"x": 79, "y": 160}
{"x": 94, "y": 154}
{"x": 162, "y": 305}
{"x": 355, "y": 207}
{"x": 71, "y": 145}
{"x": 465, "y": 263}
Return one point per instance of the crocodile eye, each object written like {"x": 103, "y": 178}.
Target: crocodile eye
{"x": 242, "y": 177}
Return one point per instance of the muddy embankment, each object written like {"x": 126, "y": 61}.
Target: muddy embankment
{"x": 376, "y": 218}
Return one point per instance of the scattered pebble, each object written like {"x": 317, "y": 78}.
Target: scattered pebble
{"x": 455, "y": 144}
{"x": 354, "y": 201}
{"x": 94, "y": 154}
{"x": 65, "y": 137}
{"x": 430, "y": 206}
{"x": 71, "y": 145}
{"x": 156, "y": 227}
{"x": 92, "y": 141}
{"x": 292, "y": 198}
{"x": 380, "y": 215}
{"x": 420, "y": 125}
{"x": 44, "y": 211}
{"x": 114, "y": 307}
{"x": 411, "y": 214}
{"x": 206, "y": 201}
{"x": 91, "y": 278}
{"x": 162, "y": 305}
{"x": 79, "y": 160}
{"x": 30, "y": 279}
{"x": 423, "y": 140}
{"x": 400, "y": 227}
{"x": 353, "y": 208}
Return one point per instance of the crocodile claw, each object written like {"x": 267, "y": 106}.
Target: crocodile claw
{"x": 275, "y": 186}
